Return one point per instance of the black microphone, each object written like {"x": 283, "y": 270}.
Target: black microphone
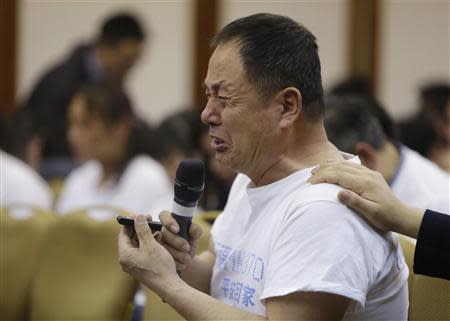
{"x": 189, "y": 184}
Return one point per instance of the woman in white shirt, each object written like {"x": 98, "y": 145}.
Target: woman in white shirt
{"x": 114, "y": 146}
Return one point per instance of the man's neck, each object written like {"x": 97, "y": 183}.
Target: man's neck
{"x": 308, "y": 149}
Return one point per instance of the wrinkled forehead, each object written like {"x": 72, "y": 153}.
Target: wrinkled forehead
{"x": 225, "y": 66}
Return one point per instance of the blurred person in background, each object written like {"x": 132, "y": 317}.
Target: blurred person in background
{"x": 353, "y": 127}
{"x": 428, "y": 132}
{"x": 20, "y": 185}
{"x": 108, "y": 58}
{"x": 178, "y": 136}
{"x": 115, "y": 147}
{"x": 361, "y": 86}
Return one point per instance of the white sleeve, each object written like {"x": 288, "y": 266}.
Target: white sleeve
{"x": 324, "y": 247}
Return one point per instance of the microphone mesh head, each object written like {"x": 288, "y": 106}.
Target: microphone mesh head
{"x": 189, "y": 182}
{"x": 191, "y": 172}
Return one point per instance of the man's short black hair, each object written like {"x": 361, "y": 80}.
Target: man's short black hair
{"x": 278, "y": 52}
{"x": 348, "y": 121}
{"x": 119, "y": 27}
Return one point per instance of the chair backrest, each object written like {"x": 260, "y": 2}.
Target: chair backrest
{"x": 155, "y": 308}
{"x": 19, "y": 247}
{"x": 429, "y": 298}
{"x": 79, "y": 277}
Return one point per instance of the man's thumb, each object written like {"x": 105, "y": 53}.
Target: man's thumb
{"x": 143, "y": 231}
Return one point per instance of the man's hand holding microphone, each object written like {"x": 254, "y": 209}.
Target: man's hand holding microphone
{"x": 154, "y": 259}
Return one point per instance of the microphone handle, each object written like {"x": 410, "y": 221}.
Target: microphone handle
{"x": 184, "y": 222}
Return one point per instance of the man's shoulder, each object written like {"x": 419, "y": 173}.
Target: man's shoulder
{"x": 294, "y": 191}
{"x": 68, "y": 71}
{"x": 322, "y": 192}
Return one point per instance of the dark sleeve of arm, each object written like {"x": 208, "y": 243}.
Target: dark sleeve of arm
{"x": 432, "y": 256}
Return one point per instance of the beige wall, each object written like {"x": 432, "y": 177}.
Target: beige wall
{"x": 160, "y": 83}
{"x": 414, "y": 44}
{"x": 326, "y": 19}
{"x": 414, "y": 49}
{"x": 162, "y": 80}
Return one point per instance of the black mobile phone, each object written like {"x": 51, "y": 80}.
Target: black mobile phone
{"x": 129, "y": 221}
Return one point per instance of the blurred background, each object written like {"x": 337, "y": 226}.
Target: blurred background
{"x": 398, "y": 44}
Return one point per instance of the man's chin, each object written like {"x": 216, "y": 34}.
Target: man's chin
{"x": 221, "y": 157}
{"x": 225, "y": 159}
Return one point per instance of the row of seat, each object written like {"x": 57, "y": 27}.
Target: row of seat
{"x": 429, "y": 298}
{"x": 66, "y": 268}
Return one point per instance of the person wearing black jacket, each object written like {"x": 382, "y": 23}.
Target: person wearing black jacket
{"x": 369, "y": 195}
{"x": 108, "y": 58}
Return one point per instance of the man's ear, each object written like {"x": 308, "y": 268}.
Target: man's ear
{"x": 368, "y": 155}
{"x": 291, "y": 101}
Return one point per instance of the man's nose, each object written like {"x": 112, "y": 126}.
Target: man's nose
{"x": 210, "y": 114}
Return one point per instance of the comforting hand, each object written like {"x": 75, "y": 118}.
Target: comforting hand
{"x": 369, "y": 194}
{"x": 181, "y": 250}
{"x": 146, "y": 260}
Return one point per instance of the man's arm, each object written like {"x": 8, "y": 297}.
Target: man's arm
{"x": 307, "y": 306}
{"x": 302, "y": 306}
{"x": 199, "y": 273}
{"x": 196, "y": 270}
{"x": 152, "y": 264}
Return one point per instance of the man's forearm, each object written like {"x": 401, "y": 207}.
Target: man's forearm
{"x": 199, "y": 273}
{"x": 195, "y": 305}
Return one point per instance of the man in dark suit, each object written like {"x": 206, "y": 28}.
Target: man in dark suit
{"x": 108, "y": 58}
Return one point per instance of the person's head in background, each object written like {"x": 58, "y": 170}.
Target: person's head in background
{"x": 435, "y": 112}
{"x": 353, "y": 128}
{"x": 362, "y": 87}
{"x": 435, "y": 106}
{"x": 25, "y": 140}
{"x": 178, "y": 137}
{"x": 264, "y": 88}
{"x": 119, "y": 44}
{"x": 102, "y": 127}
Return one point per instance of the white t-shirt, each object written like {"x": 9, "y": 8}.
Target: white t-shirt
{"x": 291, "y": 236}
{"x": 21, "y": 185}
{"x": 421, "y": 183}
{"x": 143, "y": 188}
